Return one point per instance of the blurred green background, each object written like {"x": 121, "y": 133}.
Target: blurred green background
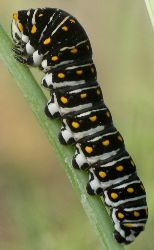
{"x": 38, "y": 208}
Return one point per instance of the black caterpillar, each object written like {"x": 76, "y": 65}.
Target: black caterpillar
{"x": 54, "y": 41}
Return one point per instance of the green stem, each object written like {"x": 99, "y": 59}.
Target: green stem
{"x": 34, "y": 96}
{"x": 150, "y": 8}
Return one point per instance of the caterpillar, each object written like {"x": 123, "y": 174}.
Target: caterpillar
{"x": 56, "y": 43}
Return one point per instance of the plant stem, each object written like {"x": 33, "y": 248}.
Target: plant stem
{"x": 150, "y": 8}
{"x": 93, "y": 206}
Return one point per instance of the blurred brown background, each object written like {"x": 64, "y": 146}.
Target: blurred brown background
{"x": 38, "y": 208}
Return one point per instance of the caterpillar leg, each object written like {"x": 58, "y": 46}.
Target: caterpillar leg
{"x": 93, "y": 186}
{"x": 19, "y": 51}
{"x": 65, "y": 136}
{"x": 22, "y": 56}
{"x": 24, "y": 60}
{"x": 79, "y": 160}
{"x": 26, "y": 54}
{"x": 34, "y": 60}
{"x": 52, "y": 108}
{"x": 47, "y": 81}
{"x": 20, "y": 45}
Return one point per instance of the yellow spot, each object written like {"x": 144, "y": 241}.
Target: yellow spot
{"x": 121, "y": 215}
{"x": 75, "y": 124}
{"x": 93, "y": 118}
{"x": 15, "y": 16}
{"x": 102, "y": 174}
{"x": 61, "y": 75}
{"x": 64, "y": 100}
{"x": 146, "y": 211}
{"x": 130, "y": 190}
{"x": 65, "y": 28}
{"x": 40, "y": 15}
{"x": 114, "y": 196}
{"x": 83, "y": 95}
{"x": 54, "y": 58}
{"x": 79, "y": 72}
{"x": 119, "y": 138}
{"x": 92, "y": 70}
{"x": 120, "y": 168}
{"x": 34, "y": 29}
{"x": 72, "y": 20}
{"x": 108, "y": 114}
{"x": 47, "y": 41}
{"x": 74, "y": 50}
{"x": 106, "y": 142}
{"x": 88, "y": 149}
{"x": 132, "y": 163}
{"x": 136, "y": 214}
{"x": 128, "y": 225}
{"x": 98, "y": 92}
{"x": 20, "y": 26}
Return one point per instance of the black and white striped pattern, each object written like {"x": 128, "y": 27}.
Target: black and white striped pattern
{"x": 54, "y": 41}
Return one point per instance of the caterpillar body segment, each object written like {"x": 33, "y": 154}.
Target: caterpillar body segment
{"x": 111, "y": 172}
{"x": 68, "y": 100}
{"x": 79, "y": 125}
{"x": 55, "y": 42}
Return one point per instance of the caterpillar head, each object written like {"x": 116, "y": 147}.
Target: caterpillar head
{"x": 19, "y": 27}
